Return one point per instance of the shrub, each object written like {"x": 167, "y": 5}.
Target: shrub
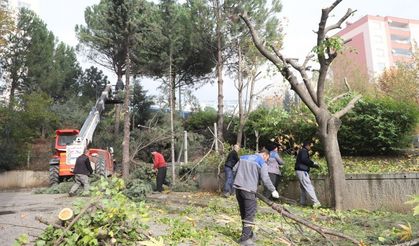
{"x": 377, "y": 126}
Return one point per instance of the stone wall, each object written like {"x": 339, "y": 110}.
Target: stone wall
{"x": 23, "y": 179}
{"x": 365, "y": 191}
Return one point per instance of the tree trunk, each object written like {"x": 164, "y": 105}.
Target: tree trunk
{"x": 117, "y": 112}
{"x": 180, "y": 102}
{"x": 126, "y": 140}
{"x": 329, "y": 127}
{"x": 172, "y": 109}
{"x": 240, "y": 88}
{"x": 220, "y": 112}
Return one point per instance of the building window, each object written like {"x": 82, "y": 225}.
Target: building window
{"x": 398, "y": 25}
{"x": 400, "y": 39}
{"x": 401, "y": 52}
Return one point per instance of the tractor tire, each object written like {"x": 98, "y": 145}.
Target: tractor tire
{"x": 54, "y": 175}
{"x": 100, "y": 167}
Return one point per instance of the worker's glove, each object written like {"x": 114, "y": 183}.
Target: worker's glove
{"x": 275, "y": 194}
{"x": 316, "y": 165}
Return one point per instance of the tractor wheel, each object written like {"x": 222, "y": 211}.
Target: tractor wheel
{"x": 100, "y": 167}
{"x": 54, "y": 175}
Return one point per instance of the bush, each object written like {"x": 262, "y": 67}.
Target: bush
{"x": 287, "y": 128}
{"x": 378, "y": 126}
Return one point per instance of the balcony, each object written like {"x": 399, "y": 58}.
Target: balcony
{"x": 398, "y": 25}
{"x": 401, "y": 52}
{"x": 400, "y": 39}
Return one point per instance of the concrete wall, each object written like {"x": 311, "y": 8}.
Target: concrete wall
{"x": 365, "y": 191}
{"x": 23, "y": 179}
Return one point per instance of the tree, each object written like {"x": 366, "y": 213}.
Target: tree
{"x": 92, "y": 82}
{"x": 22, "y": 47}
{"x": 326, "y": 50}
{"x": 402, "y": 82}
{"x": 32, "y": 61}
{"x": 115, "y": 32}
{"x": 184, "y": 45}
{"x": 140, "y": 105}
{"x": 62, "y": 81}
{"x": 219, "y": 68}
{"x": 6, "y": 25}
{"x": 248, "y": 60}
{"x": 37, "y": 113}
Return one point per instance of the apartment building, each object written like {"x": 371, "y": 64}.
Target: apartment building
{"x": 376, "y": 43}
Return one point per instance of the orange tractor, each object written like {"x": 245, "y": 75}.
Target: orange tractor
{"x": 70, "y": 144}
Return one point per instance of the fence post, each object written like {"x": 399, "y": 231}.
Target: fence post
{"x": 28, "y": 159}
{"x": 186, "y": 146}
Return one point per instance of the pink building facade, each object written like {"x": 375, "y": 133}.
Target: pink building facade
{"x": 380, "y": 42}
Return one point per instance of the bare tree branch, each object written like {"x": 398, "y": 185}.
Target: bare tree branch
{"x": 339, "y": 97}
{"x": 285, "y": 71}
{"x": 302, "y": 71}
{"x": 348, "y": 107}
{"x": 341, "y": 20}
{"x": 308, "y": 57}
{"x": 343, "y": 94}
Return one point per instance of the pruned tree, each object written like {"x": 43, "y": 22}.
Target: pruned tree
{"x": 245, "y": 60}
{"x": 219, "y": 22}
{"x": 326, "y": 50}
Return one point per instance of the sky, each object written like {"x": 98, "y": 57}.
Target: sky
{"x": 300, "y": 18}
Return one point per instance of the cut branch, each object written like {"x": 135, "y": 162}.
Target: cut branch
{"x": 321, "y": 230}
{"x": 348, "y": 107}
{"x": 45, "y": 222}
{"x": 82, "y": 212}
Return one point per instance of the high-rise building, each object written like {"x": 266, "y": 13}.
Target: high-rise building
{"x": 378, "y": 43}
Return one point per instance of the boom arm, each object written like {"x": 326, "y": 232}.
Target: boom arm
{"x": 85, "y": 136}
{"x": 90, "y": 124}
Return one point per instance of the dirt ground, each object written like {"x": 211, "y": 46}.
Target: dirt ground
{"x": 19, "y": 209}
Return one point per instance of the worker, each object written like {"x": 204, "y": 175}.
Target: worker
{"x": 232, "y": 159}
{"x": 160, "y": 167}
{"x": 249, "y": 170}
{"x": 274, "y": 163}
{"x": 81, "y": 171}
{"x": 302, "y": 169}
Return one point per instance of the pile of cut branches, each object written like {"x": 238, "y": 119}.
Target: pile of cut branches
{"x": 108, "y": 218}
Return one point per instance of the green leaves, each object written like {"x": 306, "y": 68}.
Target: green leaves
{"x": 328, "y": 45}
{"x": 21, "y": 240}
{"x": 378, "y": 126}
{"x": 113, "y": 219}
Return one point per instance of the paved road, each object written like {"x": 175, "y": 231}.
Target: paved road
{"x": 19, "y": 209}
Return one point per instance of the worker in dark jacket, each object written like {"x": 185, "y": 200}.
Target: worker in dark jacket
{"x": 249, "y": 170}
{"x": 302, "y": 169}
{"x": 232, "y": 159}
{"x": 160, "y": 167}
{"x": 81, "y": 171}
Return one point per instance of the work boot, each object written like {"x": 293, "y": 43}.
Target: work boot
{"x": 248, "y": 242}
{"x": 316, "y": 205}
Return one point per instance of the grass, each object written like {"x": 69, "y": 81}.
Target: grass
{"x": 207, "y": 219}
